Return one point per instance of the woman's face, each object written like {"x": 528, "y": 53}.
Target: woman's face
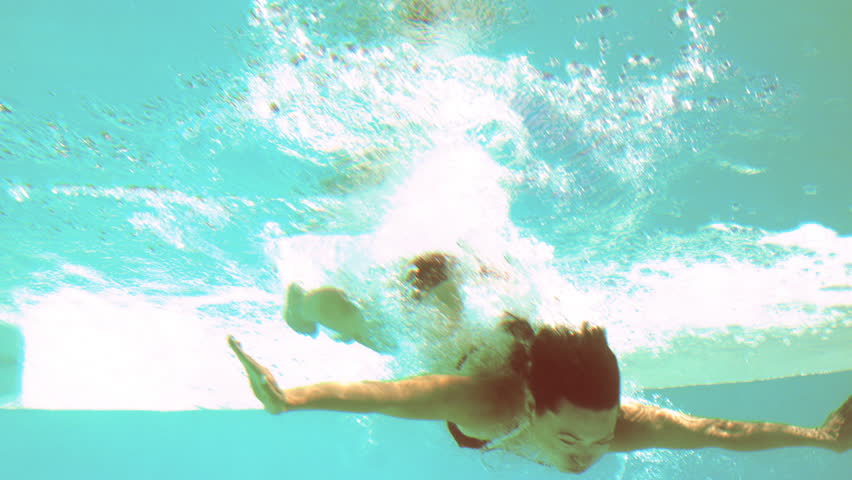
{"x": 572, "y": 438}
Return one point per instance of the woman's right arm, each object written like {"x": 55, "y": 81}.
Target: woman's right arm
{"x": 429, "y": 397}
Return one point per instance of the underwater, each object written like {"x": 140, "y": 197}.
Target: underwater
{"x": 675, "y": 171}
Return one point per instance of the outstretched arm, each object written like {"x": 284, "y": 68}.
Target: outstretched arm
{"x": 646, "y": 426}
{"x": 428, "y": 397}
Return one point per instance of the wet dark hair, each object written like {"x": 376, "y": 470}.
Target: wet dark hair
{"x": 561, "y": 364}
{"x": 573, "y": 365}
{"x": 429, "y": 270}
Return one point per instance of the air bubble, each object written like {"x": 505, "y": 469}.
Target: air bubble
{"x": 20, "y": 193}
{"x": 637, "y": 60}
{"x": 682, "y": 15}
{"x": 600, "y": 13}
{"x": 712, "y": 104}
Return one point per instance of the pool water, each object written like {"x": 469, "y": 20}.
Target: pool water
{"x": 227, "y": 444}
{"x": 677, "y": 171}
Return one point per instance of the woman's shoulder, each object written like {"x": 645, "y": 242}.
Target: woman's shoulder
{"x": 496, "y": 407}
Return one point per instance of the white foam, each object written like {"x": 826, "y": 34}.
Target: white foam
{"x": 816, "y": 238}
{"x": 113, "y": 350}
{"x": 453, "y": 202}
{"x": 110, "y": 349}
{"x": 792, "y": 316}
{"x": 453, "y": 195}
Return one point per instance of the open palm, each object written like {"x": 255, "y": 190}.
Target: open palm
{"x": 262, "y": 382}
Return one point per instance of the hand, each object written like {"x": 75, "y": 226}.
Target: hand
{"x": 838, "y": 426}
{"x": 262, "y": 382}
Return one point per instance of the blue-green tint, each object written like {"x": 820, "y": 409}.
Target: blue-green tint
{"x": 240, "y": 444}
{"x": 11, "y": 362}
{"x": 153, "y": 152}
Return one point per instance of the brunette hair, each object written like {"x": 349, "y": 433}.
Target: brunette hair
{"x": 429, "y": 270}
{"x": 573, "y": 365}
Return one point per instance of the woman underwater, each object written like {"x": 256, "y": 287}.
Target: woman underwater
{"x": 555, "y": 399}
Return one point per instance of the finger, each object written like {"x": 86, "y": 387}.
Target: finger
{"x": 259, "y": 380}
{"x": 259, "y": 387}
{"x": 262, "y": 382}
{"x": 242, "y": 356}
{"x": 235, "y": 346}
{"x": 844, "y": 410}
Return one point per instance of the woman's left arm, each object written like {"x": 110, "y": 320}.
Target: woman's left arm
{"x": 646, "y": 426}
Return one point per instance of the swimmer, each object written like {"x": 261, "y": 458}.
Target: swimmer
{"x": 556, "y": 401}
{"x": 430, "y": 275}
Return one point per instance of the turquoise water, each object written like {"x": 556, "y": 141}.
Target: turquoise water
{"x": 227, "y": 444}
{"x": 685, "y": 168}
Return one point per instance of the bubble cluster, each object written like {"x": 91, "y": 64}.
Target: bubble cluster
{"x": 601, "y": 13}
{"x": 338, "y": 103}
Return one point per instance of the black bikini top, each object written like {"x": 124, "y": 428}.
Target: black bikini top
{"x": 463, "y": 440}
